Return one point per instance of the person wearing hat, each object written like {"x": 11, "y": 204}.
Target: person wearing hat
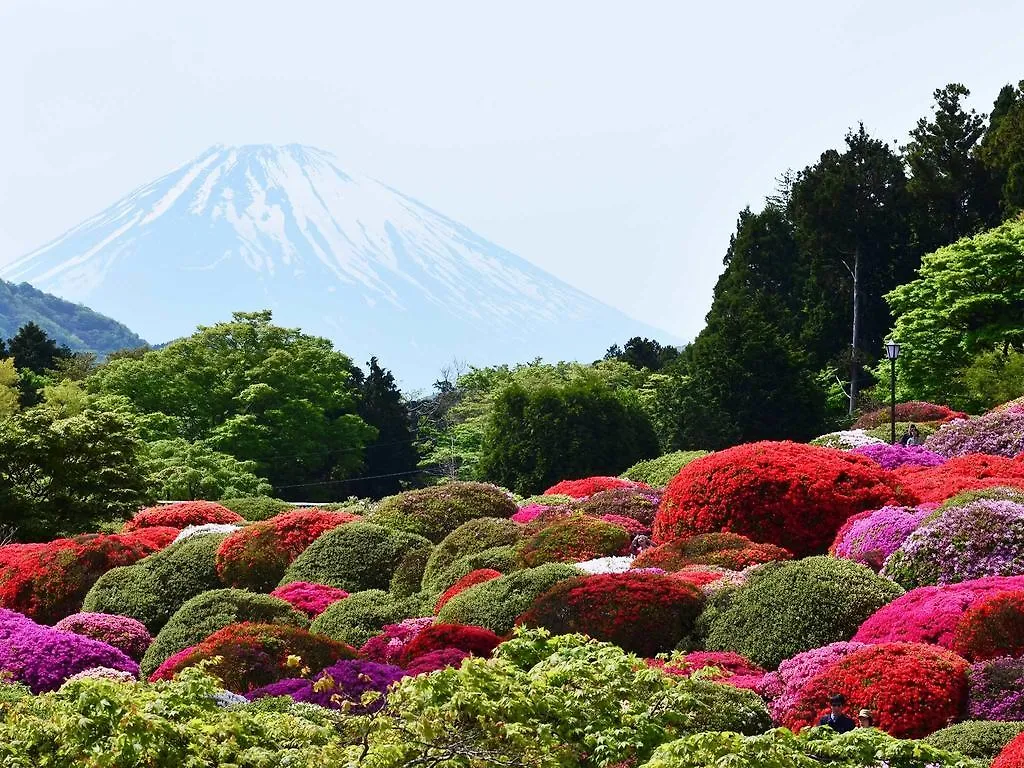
{"x": 864, "y": 719}
{"x": 837, "y": 719}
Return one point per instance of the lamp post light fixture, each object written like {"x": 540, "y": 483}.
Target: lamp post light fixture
{"x": 892, "y": 351}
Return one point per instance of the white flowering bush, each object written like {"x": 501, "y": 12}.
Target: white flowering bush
{"x": 846, "y": 440}
{"x": 204, "y": 530}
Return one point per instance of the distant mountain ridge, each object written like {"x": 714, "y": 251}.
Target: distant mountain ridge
{"x": 67, "y": 323}
{"x": 339, "y": 255}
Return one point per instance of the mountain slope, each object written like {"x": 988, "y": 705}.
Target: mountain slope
{"x": 285, "y": 228}
{"x": 78, "y": 327}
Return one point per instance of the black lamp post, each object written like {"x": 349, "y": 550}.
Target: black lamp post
{"x": 892, "y": 351}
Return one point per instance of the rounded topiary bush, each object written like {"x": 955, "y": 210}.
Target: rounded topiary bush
{"x": 782, "y": 687}
{"x": 496, "y": 604}
{"x": 362, "y": 615}
{"x": 963, "y": 473}
{"x": 1000, "y": 433}
{"x": 128, "y": 635}
{"x": 976, "y": 739}
{"x": 472, "y": 578}
{"x": 355, "y": 557}
{"x": 182, "y": 514}
{"x": 247, "y": 656}
{"x": 791, "y": 495}
{"x": 912, "y": 689}
{"x": 996, "y": 689}
{"x": 468, "y": 539}
{"x": 574, "y": 539}
{"x": 640, "y": 506}
{"x": 474, "y": 641}
{"x": 870, "y": 538}
{"x": 311, "y": 599}
{"x": 846, "y": 440}
{"x": 658, "y": 472}
{"x": 787, "y": 608}
{"x": 204, "y": 614}
{"x": 588, "y": 486}
{"x": 725, "y": 550}
{"x": 389, "y": 646}
{"x": 643, "y": 613}
{"x": 992, "y": 627}
{"x": 502, "y": 559}
{"x": 256, "y": 557}
{"x": 437, "y": 511}
{"x": 255, "y": 508}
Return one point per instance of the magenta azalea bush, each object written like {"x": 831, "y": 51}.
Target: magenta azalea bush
{"x": 996, "y": 689}
{"x": 311, "y": 599}
{"x": 435, "y": 660}
{"x": 782, "y": 687}
{"x": 389, "y": 646}
{"x": 345, "y": 681}
{"x": 529, "y": 513}
{"x": 893, "y": 456}
{"x": 872, "y": 538}
{"x": 1000, "y": 433}
{"x": 126, "y": 634}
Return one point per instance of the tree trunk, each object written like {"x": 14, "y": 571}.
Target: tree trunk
{"x": 856, "y": 328}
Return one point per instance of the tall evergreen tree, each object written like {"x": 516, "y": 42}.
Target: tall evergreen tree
{"x": 1002, "y": 149}
{"x": 33, "y": 350}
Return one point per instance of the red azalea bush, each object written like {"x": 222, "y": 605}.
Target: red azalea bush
{"x": 700, "y": 577}
{"x": 476, "y": 641}
{"x": 435, "y": 660}
{"x": 914, "y": 410}
{"x": 389, "y": 646}
{"x": 478, "y": 576}
{"x": 912, "y": 689}
{"x": 128, "y": 635}
{"x": 643, "y": 613}
{"x": 992, "y": 627}
{"x": 255, "y": 655}
{"x": 311, "y": 599}
{"x": 792, "y": 495}
{"x": 1012, "y": 755}
{"x": 931, "y": 614}
{"x": 961, "y": 473}
{"x": 724, "y": 550}
{"x": 256, "y": 557}
{"x": 574, "y": 539}
{"x": 155, "y": 536}
{"x": 182, "y": 514}
{"x": 588, "y": 486}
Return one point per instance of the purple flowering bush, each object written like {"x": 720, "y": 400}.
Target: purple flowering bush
{"x": 1000, "y": 433}
{"x": 983, "y": 538}
{"x": 782, "y": 687}
{"x": 996, "y": 689}
{"x": 871, "y": 539}
{"x": 389, "y": 646}
{"x": 893, "y": 456}
{"x": 124, "y": 633}
{"x": 345, "y": 681}
{"x": 43, "y": 657}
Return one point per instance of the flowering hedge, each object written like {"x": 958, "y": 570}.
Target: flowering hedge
{"x": 787, "y": 608}
{"x": 640, "y": 506}
{"x": 912, "y": 689}
{"x": 658, "y": 472}
{"x": 791, "y": 495}
{"x": 156, "y": 536}
{"x": 996, "y": 689}
{"x": 991, "y": 627}
{"x": 127, "y": 635}
{"x": 574, "y": 538}
{"x": 984, "y": 538}
{"x": 390, "y": 645}
{"x": 869, "y": 538}
{"x": 436, "y": 511}
{"x": 474, "y": 641}
{"x": 254, "y": 655}
{"x": 311, "y": 599}
{"x": 642, "y": 613}
{"x": 588, "y": 486}
{"x": 472, "y": 578}
{"x": 914, "y": 411}
{"x": 1000, "y": 433}
{"x": 256, "y": 557}
{"x": 725, "y": 550}
{"x": 892, "y": 456}
{"x": 469, "y": 538}
{"x": 435, "y": 660}
{"x": 962, "y": 473}
{"x": 782, "y": 687}
{"x": 1012, "y": 755}
{"x": 340, "y": 685}
{"x": 846, "y": 440}
{"x": 182, "y": 514}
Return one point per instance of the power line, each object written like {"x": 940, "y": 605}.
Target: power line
{"x": 354, "y": 479}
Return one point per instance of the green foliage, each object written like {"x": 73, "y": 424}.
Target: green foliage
{"x": 354, "y": 557}
{"x": 9, "y": 400}
{"x": 503, "y": 559}
{"x": 496, "y": 604}
{"x": 182, "y": 471}
{"x": 1002, "y": 150}
{"x": 204, "y": 614}
{"x": 978, "y": 739}
{"x": 574, "y": 539}
{"x": 790, "y": 607}
{"x": 408, "y": 575}
{"x": 642, "y": 353}
{"x": 658, "y": 472}
{"x": 437, "y": 511}
{"x": 256, "y": 508}
{"x": 361, "y": 615}
{"x": 993, "y": 377}
{"x": 469, "y": 538}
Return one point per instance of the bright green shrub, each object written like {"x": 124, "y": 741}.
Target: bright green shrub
{"x": 436, "y": 511}
{"x": 354, "y": 557}
{"x": 786, "y": 608}
{"x": 255, "y": 508}
{"x": 574, "y": 539}
{"x": 547, "y": 500}
{"x": 204, "y": 614}
{"x": 362, "y": 615}
{"x": 154, "y": 588}
{"x": 657, "y": 472}
{"x": 503, "y": 559}
{"x": 468, "y": 539}
{"x": 979, "y": 739}
{"x": 496, "y": 604}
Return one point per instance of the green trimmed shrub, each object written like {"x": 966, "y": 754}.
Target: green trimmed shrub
{"x": 437, "y": 511}
{"x": 204, "y": 614}
{"x": 408, "y": 575}
{"x": 547, "y": 500}
{"x": 468, "y": 539}
{"x": 354, "y": 557}
{"x": 728, "y": 708}
{"x": 503, "y": 559}
{"x": 786, "y": 608}
{"x": 154, "y": 588}
{"x": 362, "y": 615}
{"x": 657, "y": 472}
{"x": 574, "y": 539}
{"x": 256, "y": 508}
{"x": 977, "y": 739}
{"x": 496, "y": 604}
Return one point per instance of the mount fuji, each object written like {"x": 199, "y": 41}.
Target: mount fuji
{"x": 339, "y": 255}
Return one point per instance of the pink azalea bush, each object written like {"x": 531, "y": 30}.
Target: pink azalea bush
{"x": 893, "y": 456}
{"x": 528, "y": 513}
{"x": 782, "y": 687}
{"x": 124, "y": 633}
{"x": 872, "y": 537}
{"x": 310, "y": 598}
{"x": 389, "y": 646}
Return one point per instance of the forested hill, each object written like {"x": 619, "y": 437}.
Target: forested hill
{"x": 67, "y": 323}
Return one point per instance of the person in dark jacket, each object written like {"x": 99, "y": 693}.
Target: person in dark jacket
{"x": 837, "y": 719}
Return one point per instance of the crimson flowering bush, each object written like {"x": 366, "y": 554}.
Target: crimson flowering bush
{"x": 914, "y": 410}
{"x": 435, "y": 660}
{"x": 782, "y": 687}
{"x": 155, "y": 536}
{"x": 912, "y": 689}
{"x": 474, "y": 641}
{"x": 724, "y": 550}
{"x": 962, "y": 473}
{"x": 43, "y": 658}
{"x": 869, "y": 538}
{"x": 639, "y": 504}
{"x": 311, "y": 599}
{"x": 588, "y": 486}
{"x": 1000, "y": 433}
{"x": 126, "y": 634}
{"x": 389, "y": 647}
{"x": 479, "y": 576}
{"x": 643, "y": 613}
{"x": 700, "y": 577}
{"x": 182, "y": 514}
{"x": 996, "y": 689}
{"x": 256, "y": 557}
{"x": 341, "y": 683}
{"x": 1012, "y": 755}
{"x": 573, "y": 539}
{"x": 253, "y": 655}
{"x": 893, "y": 456}
{"x": 992, "y": 627}
{"x": 788, "y": 494}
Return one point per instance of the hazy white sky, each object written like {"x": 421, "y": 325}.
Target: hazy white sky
{"x": 612, "y": 144}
